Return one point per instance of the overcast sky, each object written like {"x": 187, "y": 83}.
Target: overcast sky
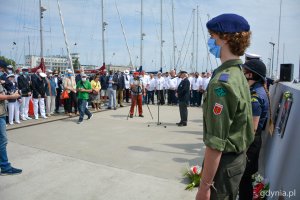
{"x": 82, "y": 18}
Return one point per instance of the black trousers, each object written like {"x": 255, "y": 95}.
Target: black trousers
{"x": 72, "y": 100}
{"x": 195, "y": 98}
{"x": 246, "y": 188}
{"x": 150, "y": 97}
{"x": 160, "y": 97}
{"x": 127, "y": 95}
{"x": 173, "y": 98}
{"x": 57, "y": 99}
{"x": 183, "y": 111}
{"x": 200, "y": 98}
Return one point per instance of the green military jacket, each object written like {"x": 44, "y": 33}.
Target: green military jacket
{"x": 227, "y": 114}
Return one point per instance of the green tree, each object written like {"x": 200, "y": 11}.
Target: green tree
{"x": 8, "y": 61}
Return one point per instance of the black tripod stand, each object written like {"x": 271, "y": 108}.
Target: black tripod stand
{"x": 136, "y": 107}
{"x": 158, "y": 103}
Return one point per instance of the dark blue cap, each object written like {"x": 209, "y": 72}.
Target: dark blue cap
{"x": 228, "y": 23}
{"x": 3, "y": 64}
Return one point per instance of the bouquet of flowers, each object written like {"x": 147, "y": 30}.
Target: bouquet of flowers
{"x": 261, "y": 187}
{"x": 194, "y": 175}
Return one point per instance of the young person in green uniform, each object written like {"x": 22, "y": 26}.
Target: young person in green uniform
{"x": 83, "y": 87}
{"x": 227, "y": 114}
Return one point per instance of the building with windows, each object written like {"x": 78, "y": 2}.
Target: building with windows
{"x": 60, "y": 63}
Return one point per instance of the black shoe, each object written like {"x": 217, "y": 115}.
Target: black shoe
{"x": 115, "y": 108}
{"x": 178, "y": 123}
{"x": 141, "y": 115}
{"x": 182, "y": 124}
{"x": 131, "y": 116}
{"x": 109, "y": 108}
{"x": 11, "y": 171}
{"x": 89, "y": 117}
{"x": 79, "y": 122}
{"x": 121, "y": 106}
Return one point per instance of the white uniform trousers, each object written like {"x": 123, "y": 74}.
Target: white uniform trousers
{"x": 13, "y": 112}
{"x": 25, "y": 107}
{"x": 36, "y": 103}
{"x": 50, "y": 101}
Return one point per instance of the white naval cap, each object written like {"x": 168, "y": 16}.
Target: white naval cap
{"x": 250, "y": 56}
{"x": 10, "y": 75}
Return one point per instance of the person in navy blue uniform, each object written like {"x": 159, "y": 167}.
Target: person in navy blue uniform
{"x": 183, "y": 94}
{"x": 255, "y": 73}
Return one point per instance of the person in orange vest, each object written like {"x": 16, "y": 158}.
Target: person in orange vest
{"x": 137, "y": 92}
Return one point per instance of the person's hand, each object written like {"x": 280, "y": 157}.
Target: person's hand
{"x": 15, "y": 95}
{"x": 203, "y": 193}
{"x": 20, "y": 100}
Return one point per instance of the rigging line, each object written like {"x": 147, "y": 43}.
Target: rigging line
{"x": 205, "y": 40}
{"x": 187, "y": 49}
{"x": 124, "y": 35}
{"x": 17, "y": 32}
{"x": 180, "y": 52}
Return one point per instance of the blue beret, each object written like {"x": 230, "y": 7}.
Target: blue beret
{"x": 228, "y": 23}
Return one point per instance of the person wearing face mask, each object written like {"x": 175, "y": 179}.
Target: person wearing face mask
{"x": 13, "y": 104}
{"x": 227, "y": 112}
{"x": 10, "y": 69}
{"x": 50, "y": 93}
{"x": 38, "y": 93}
{"x": 5, "y": 166}
{"x": 70, "y": 85}
{"x": 58, "y": 87}
{"x": 255, "y": 72}
{"x": 84, "y": 87}
{"x": 24, "y": 85}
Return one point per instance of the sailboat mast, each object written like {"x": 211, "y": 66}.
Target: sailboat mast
{"x": 197, "y": 39}
{"x": 142, "y": 37}
{"x": 103, "y": 29}
{"x": 41, "y": 28}
{"x": 161, "y": 35}
{"x": 193, "y": 45}
{"x": 65, "y": 37}
{"x": 173, "y": 31}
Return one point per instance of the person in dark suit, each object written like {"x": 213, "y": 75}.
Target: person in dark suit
{"x": 120, "y": 88}
{"x": 24, "y": 85}
{"x": 58, "y": 86}
{"x": 38, "y": 93}
{"x": 183, "y": 94}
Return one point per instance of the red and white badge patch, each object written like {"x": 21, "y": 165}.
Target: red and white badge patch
{"x": 218, "y": 109}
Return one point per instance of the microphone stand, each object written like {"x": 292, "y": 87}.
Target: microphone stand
{"x": 158, "y": 102}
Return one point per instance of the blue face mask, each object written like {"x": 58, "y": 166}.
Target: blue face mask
{"x": 214, "y": 48}
{"x": 21, "y": 73}
{"x": 1, "y": 73}
{"x": 26, "y": 73}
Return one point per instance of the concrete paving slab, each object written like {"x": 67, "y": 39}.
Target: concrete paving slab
{"x": 107, "y": 157}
